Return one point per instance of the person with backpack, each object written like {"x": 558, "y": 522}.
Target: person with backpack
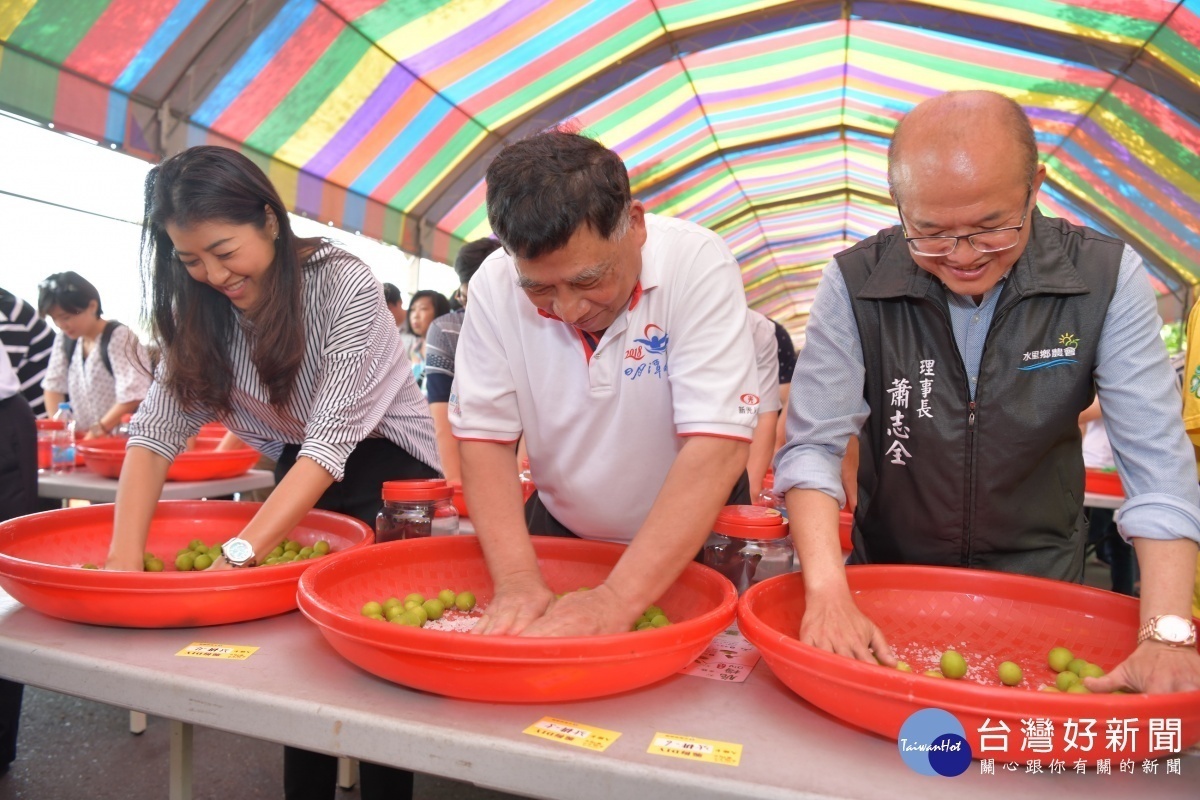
{"x": 98, "y": 363}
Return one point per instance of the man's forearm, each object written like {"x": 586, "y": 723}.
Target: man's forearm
{"x": 697, "y": 487}
{"x": 1168, "y": 576}
{"x": 493, "y": 493}
{"x": 813, "y": 517}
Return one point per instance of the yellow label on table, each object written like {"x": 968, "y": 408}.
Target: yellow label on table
{"x": 693, "y": 749}
{"x": 573, "y": 733}
{"x": 233, "y": 652}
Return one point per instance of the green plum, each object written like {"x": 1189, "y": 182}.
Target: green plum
{"x": 1059, "y": 659}
{"x": 953, "y": 665}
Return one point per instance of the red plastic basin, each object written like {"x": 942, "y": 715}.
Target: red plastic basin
{"x": 845, "y": 529}
{"x": 505, "y": 669}
{"x": 105, "y": 457}
{"x": 1101, "y": 481}
{"x": 988, "y": 617}
{"x": 212, "y": 432}
{"x": 40, "y": 556}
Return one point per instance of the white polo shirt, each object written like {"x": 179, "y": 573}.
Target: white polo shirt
{"x": 603, "y": 431}
{"x": 766, "y": 360}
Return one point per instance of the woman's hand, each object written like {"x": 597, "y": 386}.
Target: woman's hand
{"x": 124, "y": 562}
{"x": 219, "y": 563}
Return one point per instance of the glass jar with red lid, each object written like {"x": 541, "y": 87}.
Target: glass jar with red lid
{"x": 749, "y": 544}
{"x": 415, "y": 509}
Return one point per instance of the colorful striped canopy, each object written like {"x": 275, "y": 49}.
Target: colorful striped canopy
{"x": 767, "y": 121}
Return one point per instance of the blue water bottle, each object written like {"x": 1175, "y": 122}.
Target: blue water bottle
{"x": 62, "y": 446}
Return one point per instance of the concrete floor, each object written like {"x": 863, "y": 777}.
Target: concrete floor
{"x": 72, "y": 749}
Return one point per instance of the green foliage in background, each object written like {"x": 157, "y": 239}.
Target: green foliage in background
{"x": 1172, "y": 335}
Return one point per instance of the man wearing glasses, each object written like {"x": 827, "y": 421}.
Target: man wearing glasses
{"x": 960, "y": 347}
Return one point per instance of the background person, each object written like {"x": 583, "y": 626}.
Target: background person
{"x": 289, "y": 344}
{"x": 28, "y": 340}
{"x": 99, "y": 363}
{"x": 395, "y": 304}
{"x": 787, "y": 366}
{"x": 1102, "y": 531}
{"x": 1191, "y": 412}
{"x": 18, "y": 496}
{"x": 766, "y": 359}
{"x": 441, "y": 344}
{"x": 425, "y": 306}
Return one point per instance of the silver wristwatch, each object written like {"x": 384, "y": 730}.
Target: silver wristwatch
{"x": 1170, "y": 630}
{"x": 237, "y": 552}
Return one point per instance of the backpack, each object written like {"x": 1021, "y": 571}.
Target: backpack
{"x": 105, "y": 338}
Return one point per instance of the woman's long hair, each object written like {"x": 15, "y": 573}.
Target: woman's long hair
{"x": 191, "y": 322}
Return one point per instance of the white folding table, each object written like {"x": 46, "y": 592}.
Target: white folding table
{"x": 296, "y": 690}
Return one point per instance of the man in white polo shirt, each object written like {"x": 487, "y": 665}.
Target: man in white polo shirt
{"x": 616, "y": 342}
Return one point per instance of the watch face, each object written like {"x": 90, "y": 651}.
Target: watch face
{"x": 1173, "y": 629}
{"x": 238, "y": 550}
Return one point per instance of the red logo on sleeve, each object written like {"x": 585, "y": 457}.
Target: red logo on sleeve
{"x": 750, "y": 399}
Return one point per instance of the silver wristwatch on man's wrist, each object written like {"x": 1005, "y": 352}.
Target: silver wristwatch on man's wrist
{"x": 237, "y": 552}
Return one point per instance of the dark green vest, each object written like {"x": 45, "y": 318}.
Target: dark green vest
{"x": 996, "y": 483}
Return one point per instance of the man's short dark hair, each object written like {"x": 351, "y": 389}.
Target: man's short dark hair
{"x": 391, "y": 295}
{"x": 472, "y": 254}
{"x": 541, "y": 189}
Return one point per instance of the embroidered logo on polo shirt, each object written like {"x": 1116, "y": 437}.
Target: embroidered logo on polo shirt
{"x": 653, "y": 342}
{"x": 750, "y": 399}
{"x": 656, "y": 367}
{"x": 1059, "y": 356}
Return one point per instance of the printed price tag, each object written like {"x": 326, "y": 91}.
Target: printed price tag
{"x": 573, "y": 733}
{"x": 232, "y": 652}
{"x": 729, "y": 658}
{"x": 693, "y": 749}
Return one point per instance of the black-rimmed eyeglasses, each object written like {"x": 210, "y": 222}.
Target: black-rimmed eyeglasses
{"x": 992, "y": 241}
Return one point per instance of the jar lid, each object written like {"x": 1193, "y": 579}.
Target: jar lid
{"x": 751, "y": 522}
{"x": 431, "y": 489}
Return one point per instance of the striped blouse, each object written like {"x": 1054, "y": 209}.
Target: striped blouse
{"x": 27, "y": 339}
{"x": 353, "y": 384}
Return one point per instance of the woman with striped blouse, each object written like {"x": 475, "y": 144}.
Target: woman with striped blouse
{"x": 287, "y": 342}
